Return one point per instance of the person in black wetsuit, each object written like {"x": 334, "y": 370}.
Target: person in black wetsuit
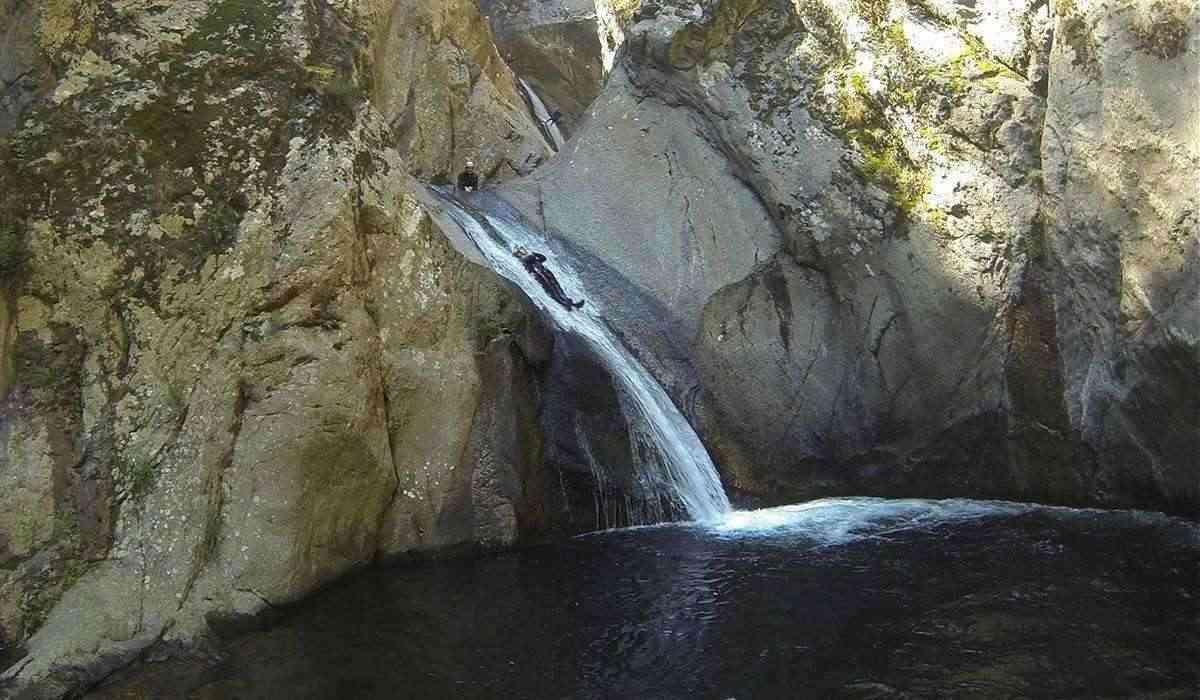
{"x": 534, "y": 265}
{"x": 468, "y": 179}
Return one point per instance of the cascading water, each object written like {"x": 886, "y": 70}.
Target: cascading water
{"x": 673, "y": 472}
{"x": 538, "y": 108}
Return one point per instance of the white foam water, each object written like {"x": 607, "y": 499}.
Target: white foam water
{"x": 669, "y": 462}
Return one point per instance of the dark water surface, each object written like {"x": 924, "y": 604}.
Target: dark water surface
{"x": 856, "y": 598}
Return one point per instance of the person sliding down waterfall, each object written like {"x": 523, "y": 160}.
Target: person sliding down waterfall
{"x": 468, "y": 180}
{"x": 534, "y": 265}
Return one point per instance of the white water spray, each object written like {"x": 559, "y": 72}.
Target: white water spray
{"x": 670, "y": 464}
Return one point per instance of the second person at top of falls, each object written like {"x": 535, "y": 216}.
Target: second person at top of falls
{"x": 534, "y": 265}
{"x": 468, "y": 179}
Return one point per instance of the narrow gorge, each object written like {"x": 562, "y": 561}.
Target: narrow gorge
{"x": 257, "y": 347}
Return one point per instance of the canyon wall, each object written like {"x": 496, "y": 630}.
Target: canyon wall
{"x": 239, "y": 359}
{"x": 906, "y": 248}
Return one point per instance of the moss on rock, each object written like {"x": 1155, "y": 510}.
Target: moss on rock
{"x": 1162, "y": 28}
{"x": 65, "y": 26}
{"x": 862, "y": 119}
{"x": 1077, "y": 33}
{"x": 826, "y": 26}
{"x": 135, "y": 477}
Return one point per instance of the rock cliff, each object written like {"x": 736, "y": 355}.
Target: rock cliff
{"x": 238, "y": 358}
{"x": 904, "y": 248}
{"x": 555, "y": 45}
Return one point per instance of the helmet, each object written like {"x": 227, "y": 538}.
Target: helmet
{"x": 470, "y": 164}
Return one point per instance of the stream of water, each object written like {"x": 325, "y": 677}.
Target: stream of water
{"x": 674, "y": 474}
{"x": 548, "y": 126}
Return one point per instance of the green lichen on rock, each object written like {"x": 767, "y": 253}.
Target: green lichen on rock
{"x": 891, "y": 100}
{"x": 910, "y": 77}
{"x": 65, "y": 26}
{"x": 50, "y": 363}
{"x": 624, "y": 10}
{"x": 246, "y": 25}
{"x": 885, "y": 159}
{"x": 862, "y": 119}
{"x": 826, "y": 27}
{"x": 874, "y": 12}
{"x": 12, "y": 228}
{"x": 135, "y": 477}
{"x": 1077, "y": 33}
{"x": 974, "y": 66}
{"x": 1162, "y": 28}
{"x": 330, "y": 81}
{"x": 864, "y": 108}
{"x": 163, "y": 163}
{"x": 892, "y": 168}
{"x": 60, "y": 573}
{"x": 73, "y": 570}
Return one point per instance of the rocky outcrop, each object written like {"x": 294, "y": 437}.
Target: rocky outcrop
{"x": 555, "y": 46}
{"x": 1122, "y": 209}
{"x": 843, "y": 242}
{"x": 440, "y": 82}
{"x": 239, "y": 359}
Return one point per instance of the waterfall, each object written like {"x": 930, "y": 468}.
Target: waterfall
{"x": 671, "y": 466}
{"x": 538, "y": 108}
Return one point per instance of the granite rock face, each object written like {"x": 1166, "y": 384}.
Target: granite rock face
{"x": 238, "y": 358}
{"x": 555, "y": 46}
{"x": 441, "y": 84}
{"x": 1121, "y": 151}
{"x": 852, "y": 236}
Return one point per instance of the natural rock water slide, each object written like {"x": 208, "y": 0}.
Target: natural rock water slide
{"x": 674, "y": 474}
